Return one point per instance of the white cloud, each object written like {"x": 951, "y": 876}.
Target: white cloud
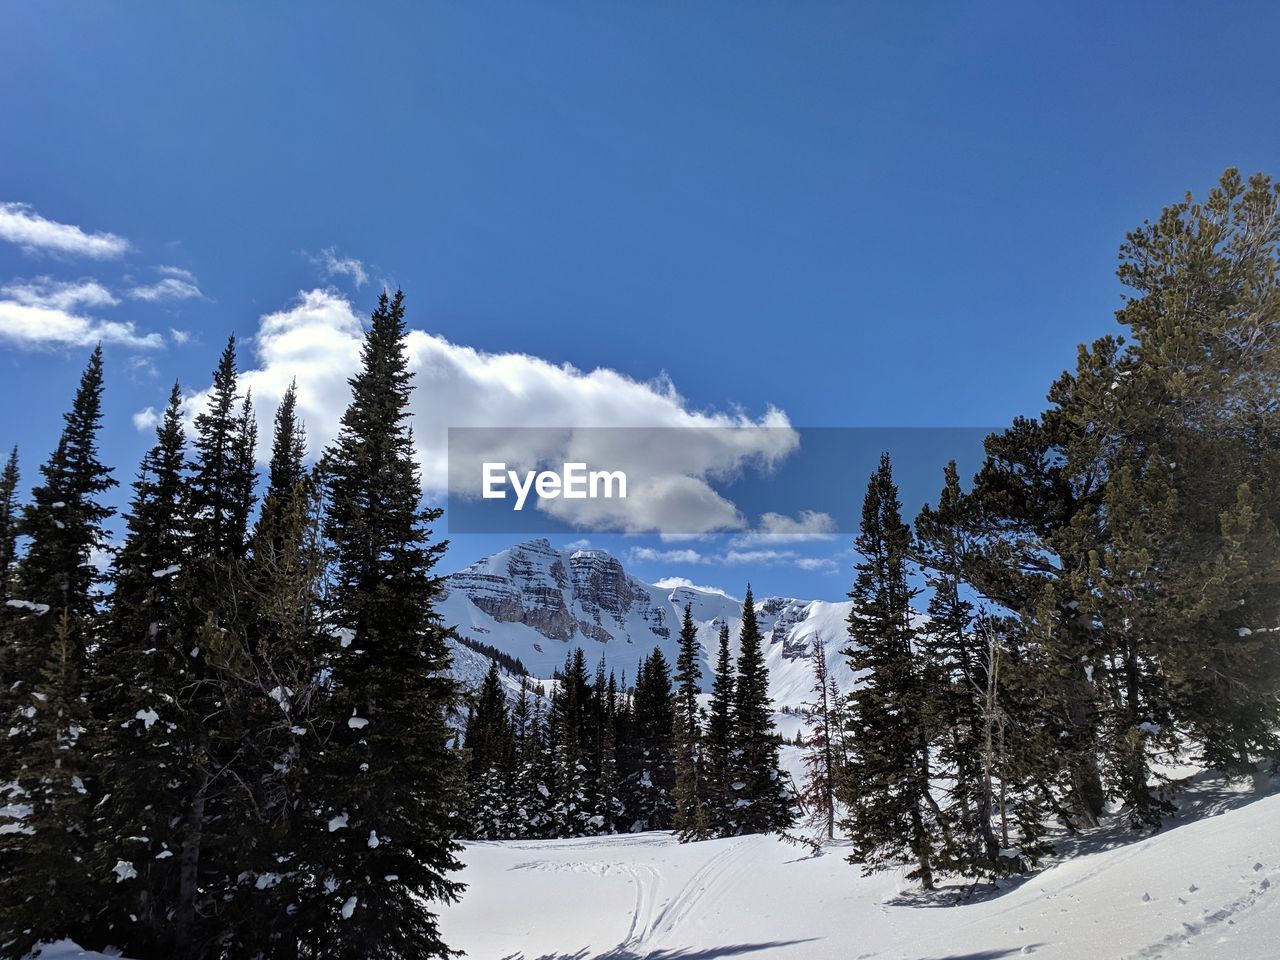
{"x": 777, "y": 528}
{"x": 730, "y": 558}
{"x": 331, "y": 265}
{"x": 318, "y": 340}
{"x": 35, "y": 325}
{"x": 182, "y": 273}
{"x": 168, "y": 288}
{"x": 824, "y": 564}
{"x": 146, "y": 419}
{"x": 650, "y": 555}
{"x": 179, "y": 337}
{"x": 58, "y": 294}
{"x": 21, "y": 225}
{"x": 582, "y": 544}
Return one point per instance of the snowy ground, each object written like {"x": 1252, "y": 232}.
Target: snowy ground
{"x": 1202, "y": 890}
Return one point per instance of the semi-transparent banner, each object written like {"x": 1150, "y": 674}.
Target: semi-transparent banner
{"x": 685, "y": 481}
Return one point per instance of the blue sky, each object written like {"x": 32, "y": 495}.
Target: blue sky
{"x": 897, "y": 214}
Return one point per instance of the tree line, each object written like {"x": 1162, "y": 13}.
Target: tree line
{"x": 603, "y": 757}
{"x": 235, "y": 741}
{"x": 1104, "y": 596}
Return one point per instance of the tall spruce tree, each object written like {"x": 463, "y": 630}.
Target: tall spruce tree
{"x": 719, "y": 741}
{"x": 890, "y": 813}
{"x": 652, "y": 777}
{"x": 689, "y": 793}
{"x": 45, "y": 766}
{"x": 490, "y": 758}
{"x": 9, "y": 515}
{"x": 762, "y": 801}
{"x": 9, "y": 520}
{"x": 141, "y": 670}
{"x": 389, "y": 781}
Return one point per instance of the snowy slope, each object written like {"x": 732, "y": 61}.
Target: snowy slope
{"x": 1205, "y": 890}
{"x": 537, "y": 603}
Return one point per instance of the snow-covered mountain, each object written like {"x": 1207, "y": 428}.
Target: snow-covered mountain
{"x": 536, "y": 603}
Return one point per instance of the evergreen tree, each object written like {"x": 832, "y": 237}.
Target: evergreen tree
{"x": 8, "y": 525}
{"x": 817, "y": 795}
{"x": 270, "y": 671}
{"x": 569, "y": 733}
{"x": 688, "y": 794}
{"x": 223, "y": 479}
{"x": 141, "y": 670}
{"x": 42, "y": 873}
{"x": 953, "y": 657}
{"x": 719, "y": 742}
{"x": 531, "y": 800}
{"x": 9, "y": 521}
{"x": 489, "y": 759}
{"x": 389, "y": 782}
{"x": 762, "y": 801}
{"x": 652, "y": 778}
{"x": 890, "y": 813}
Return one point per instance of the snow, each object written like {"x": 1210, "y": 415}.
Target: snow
{"x": 166, "y": 571}
{"x": 147, "y": 716}
{"x": 124, "y": 870}
{"x": 357, "y": 723}
{"x": 338, "y": 823}
{"x": 39, "y": 609}
{"x": 1201, "y": 890}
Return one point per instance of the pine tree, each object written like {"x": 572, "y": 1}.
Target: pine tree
{"x": 886, "y": 792}
{"x": 270, "y": 670}
{"x": 42, "y": 873}
{"x": 531, "y": 801}
{"x": 688, "y": 794}
{"x": 286, "y": 472}
{"x": 817, "y": 795}
{"x": 490, "y": 756}
{"x": 652, "y": 778}
{"x": 213, "y": 597}
{"x": 223, "y": 478}
{"x": 719, "y": 742}
{"x": 762, "y": 801}
{"x": 141, "y": 670}
{"x": 9, "y": 520}
{"x": 952, "y": 654}
{"x": 389, "y": 782}
{"x": 570, "y": 735}
{"x": 8, "y": 525}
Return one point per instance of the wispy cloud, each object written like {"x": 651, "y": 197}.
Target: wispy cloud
{"x": 34, "y": 326}
{"x": 181, "y": 285}
{"x": 730, "y": 558}
{"x": 50, "y": 313}
{"x": 332, "y": 265}
{"x": 668, "y": 556}
{"x": 777, "y": 528}
{"x": 58, "y": 294}
{"x": 21, "y": 225}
